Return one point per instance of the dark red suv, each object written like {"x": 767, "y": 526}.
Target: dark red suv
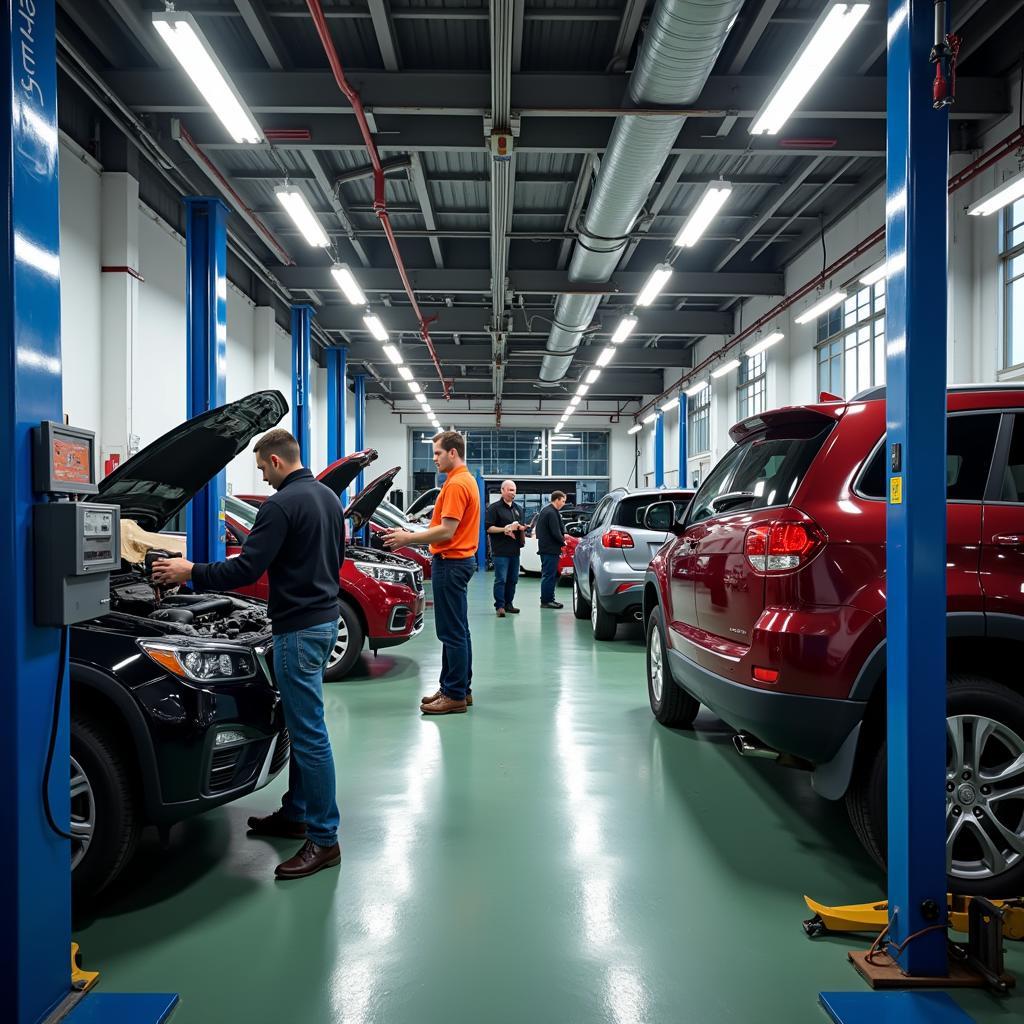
{"x": 768, "y": 607}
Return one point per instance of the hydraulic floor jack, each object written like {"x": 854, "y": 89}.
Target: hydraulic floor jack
{"x": 986, "y": 922}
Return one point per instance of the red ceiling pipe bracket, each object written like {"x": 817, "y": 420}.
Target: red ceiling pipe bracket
{"x": 991, "y": 156}
{"x": 379, "y": 200}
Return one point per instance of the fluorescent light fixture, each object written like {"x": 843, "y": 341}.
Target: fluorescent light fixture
{"x": 592, "y": 375}
{"x": 711, "y": 201}
{"x": 696, "y": 389}
{"x": 574, "y": 401}
{"x": 405, "y": 373}
{"x": 650, "y": 418}
{"x": 653, "y": 285}
{"x": 393, "y": 354}
{"x": 670, "y": 404}
{"x": 605, "y": 356}
{"x": 765, "y": 343}
{"x": 827, "y": 303}
{"x": 582, "y": 389}
{"x": 1011, "y": 190}
{"x": 348, "y": 284}
{"x": 874, "y": 276}
{"x": 413, "y": 387}
{"x": 375, "y": 327}
{"x": 635, "y": 429}
{"x": 725, "y": 368}
{"x": 826, "y": 39}
{"x": 188, "y": 44}
{"x": 422, "y": 399}
{"x": 297, "y": 206}
{"x": 624, "y": 329}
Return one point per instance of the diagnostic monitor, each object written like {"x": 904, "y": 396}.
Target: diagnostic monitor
{"x": 64, "y": 459}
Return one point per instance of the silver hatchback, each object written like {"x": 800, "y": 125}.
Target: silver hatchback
{"x": 612, "y": 557}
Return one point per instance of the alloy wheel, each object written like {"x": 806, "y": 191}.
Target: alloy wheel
{"x": 984, "y": 797}
{"x": 593, "y": 608}
{"x": 340, "y": 644}
{"x": 575, "y": 595}
{"x": 655, "y": 664}
{"x": 83, "y": 813}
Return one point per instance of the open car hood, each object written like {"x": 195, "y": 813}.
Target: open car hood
{"x": 426, "y": 500}
{"x": 365, "y": 503}
{"x": 338, "y": 475}
{"x": 158, "y": 482}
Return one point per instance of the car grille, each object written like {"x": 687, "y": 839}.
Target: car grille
{"x": 418, "y": 579}
{"x": 418, "y": 624}
{"x": 235, "y": 766}
{"x": 281, "y": 754}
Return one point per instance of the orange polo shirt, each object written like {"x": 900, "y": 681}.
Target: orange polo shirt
{"x": 459, "y": 499}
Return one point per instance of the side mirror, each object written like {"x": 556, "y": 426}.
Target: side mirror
{"x": 662, "y": 517}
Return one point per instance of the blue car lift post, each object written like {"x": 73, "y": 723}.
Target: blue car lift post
{"x": 359, "y": 387}
{"x": 35, "y": 862}
{"x": 337, "y": 369}
{"x": 206, "y": 332}
{"x": 915, "y": 330}
{"x": 659, "y": 450}
{"x": 683, "y": 465}
{"x": 302, "y": 321}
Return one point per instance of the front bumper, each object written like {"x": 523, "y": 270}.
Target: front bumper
{"x": 404, "y": 620}
{"x": 812, "y": 728}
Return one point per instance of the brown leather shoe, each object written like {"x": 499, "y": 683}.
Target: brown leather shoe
{"x": 309, "y": 860}
{"x": 445, "y": 706}
{"x": 437, "y": 695}
{"x": 500, "y": 612}
{"x": 277, "y": 824}
{"x": 511, "y": 610}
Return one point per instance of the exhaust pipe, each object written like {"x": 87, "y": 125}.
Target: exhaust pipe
{"x": 638, "y": 616}
{"x": 750, "y": 746}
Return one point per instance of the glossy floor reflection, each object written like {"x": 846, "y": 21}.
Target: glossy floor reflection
{"x": 552, "y": 856}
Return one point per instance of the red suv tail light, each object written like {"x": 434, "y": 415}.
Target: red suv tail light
{"x": 616, "y": 539}
{"x": 780, "y": 547}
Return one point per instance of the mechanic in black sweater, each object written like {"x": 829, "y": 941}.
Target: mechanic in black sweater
{"x": 550, "y": 534}
{"x": 298, "y": 540}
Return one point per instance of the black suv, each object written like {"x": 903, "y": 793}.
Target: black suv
{"x": 173, "y": 704}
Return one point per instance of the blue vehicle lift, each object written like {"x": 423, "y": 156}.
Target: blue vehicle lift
{"x": 206, "y": 332}
{"x": 337, "y": 393}
{"x": 683, "y": 457}
{"x": 35, "y": 861}
{"x": 359, "y": 385}
{"x": 302, "y": 320}
{"x": 659, "y": 451}
{"x": 917, "y": 245}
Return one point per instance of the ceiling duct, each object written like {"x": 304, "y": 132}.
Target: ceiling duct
{"x": 679, "y": 50}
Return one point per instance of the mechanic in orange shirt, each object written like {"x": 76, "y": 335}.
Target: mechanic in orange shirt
{"x": 453, "y": 536}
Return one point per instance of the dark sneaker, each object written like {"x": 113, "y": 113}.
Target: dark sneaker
{"x": 309, "y": 860}
{"x": 277, "y": 824}
{"x": 511, "y": 610}
{"x": 552, "y": 604}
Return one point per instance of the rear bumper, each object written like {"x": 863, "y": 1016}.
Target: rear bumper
{"x": 623, "y": 602}
{"x": 812, "y": 728}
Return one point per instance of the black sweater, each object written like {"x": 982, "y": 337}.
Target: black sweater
{"x": 298, "y": 539}
{"x": 549, "y": 531}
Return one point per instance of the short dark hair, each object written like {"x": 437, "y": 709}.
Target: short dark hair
{"x": 450, "y": 439}
{"x": 555, "y": 495}
{"x": 280, "y": 443}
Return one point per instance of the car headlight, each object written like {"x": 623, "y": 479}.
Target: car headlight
{"x": 387, "y": 573}
{"x": 211, "y": 665}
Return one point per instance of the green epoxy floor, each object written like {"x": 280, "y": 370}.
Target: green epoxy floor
{"x": 553, "y": 856}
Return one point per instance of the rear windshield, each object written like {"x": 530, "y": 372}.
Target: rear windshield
{"x": 762, "y": 472}
{"x": 630, "y": 512}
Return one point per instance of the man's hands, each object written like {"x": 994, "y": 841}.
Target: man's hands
{"x": 395, "y": 538}
{"x": 169, "y": 571}
{"x": 513, "y": 528}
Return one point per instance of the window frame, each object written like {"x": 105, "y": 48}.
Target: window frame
{"x": 827, "y": 340}
{"x": 752, "y": 389}
{"x": 1007, "y": 254}
{"x": 698, "y": 414}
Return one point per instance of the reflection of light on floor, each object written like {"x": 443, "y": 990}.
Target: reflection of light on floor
{"x": 626, "y": 996}
{"x": 354, "y": 992}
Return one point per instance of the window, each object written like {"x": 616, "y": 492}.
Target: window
{"x": 698, "y": 422}
{"x": 1013, "y": 476}
{"x": 601, "y": 512}
{"x": 1013, "y": 284}
{"x": 579, "y": 453}
{"x": 751, "y": 389}
{"x": 631, "y": 510}
{"x": 970, "y": 441}
{"x": 851, "y": 343}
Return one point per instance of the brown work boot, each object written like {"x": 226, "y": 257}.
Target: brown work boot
{"x": 511, "y": 609}
{"x": 309, "y": 860}
{"x": 500, "y": 612}
{"x": 437, "y": 695}
{"x": 277, "y": 824}
{"x": 445, "y": 706}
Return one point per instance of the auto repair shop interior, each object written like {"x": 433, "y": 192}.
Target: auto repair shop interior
{"x": 724, "y": 272}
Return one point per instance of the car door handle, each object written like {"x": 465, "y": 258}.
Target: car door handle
{"x": 1008, "y": 540}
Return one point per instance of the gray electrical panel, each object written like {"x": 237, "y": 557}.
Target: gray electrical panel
{"x": 77, "y": 545}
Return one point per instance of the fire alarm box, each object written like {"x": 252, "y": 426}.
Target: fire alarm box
{"x": 501, "y": 146}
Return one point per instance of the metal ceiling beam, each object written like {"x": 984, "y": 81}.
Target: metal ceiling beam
{"x": 455, "y": 282}
{"x": 521, "y": 353}
{"x": 384, "y": 30}
{"x": 629, "y": 26}
{"x": 580, "y": 96}
{"x": 264, "y": 34}
{"x": 584, "y": 179}
{"x": 142, "y": 32}
{"x": 626, "y": 386}
{"x": 422, "y": 191}
{"x": 518, "y": 20}
{"x": 988, "y": 23}
{"x": 752, "y": 34}
{"x": 82, "y": 14}
{"x": 340, "y": 211}
{"x": 475, "y": 320}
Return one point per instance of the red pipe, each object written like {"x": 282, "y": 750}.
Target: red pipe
{"x": 1001, "y": 149}
{"x": 379, "y": 200}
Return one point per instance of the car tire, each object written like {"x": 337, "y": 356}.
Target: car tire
{"x": 348, "y": 645}
{"x": 970, "y": 697}
{"x": 580, "y": 605}
{"x": 602, "y": 622}
{"x": 103, "y": 800}
{"x": 670, "y": 703}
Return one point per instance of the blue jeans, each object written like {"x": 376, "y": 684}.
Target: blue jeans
{"x": 449, "y": 581}
{"x": 548, "y": 577}
{"x": 299, "y": 662}
{"x": 506, "y": 576}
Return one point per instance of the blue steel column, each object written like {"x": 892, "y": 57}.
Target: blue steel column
{"x": 359, "y": 382}
{"x": 916, "y": 234}
{"x": 659, "y": 451}
{"x": 206, "y": 313}
{"x": 683, "y": 456}
{"x": 481, "y": 547}
{"x": 302, "y": 319}
{"x": 337, "y": 393}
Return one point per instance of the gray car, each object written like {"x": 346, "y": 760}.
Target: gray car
{"x": 612, "y": 556}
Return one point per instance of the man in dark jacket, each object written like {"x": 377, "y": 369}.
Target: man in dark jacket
{"x": 550, "y": 536}
{"x": 506, "y": 532}
{"x": 298, "y": 539}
